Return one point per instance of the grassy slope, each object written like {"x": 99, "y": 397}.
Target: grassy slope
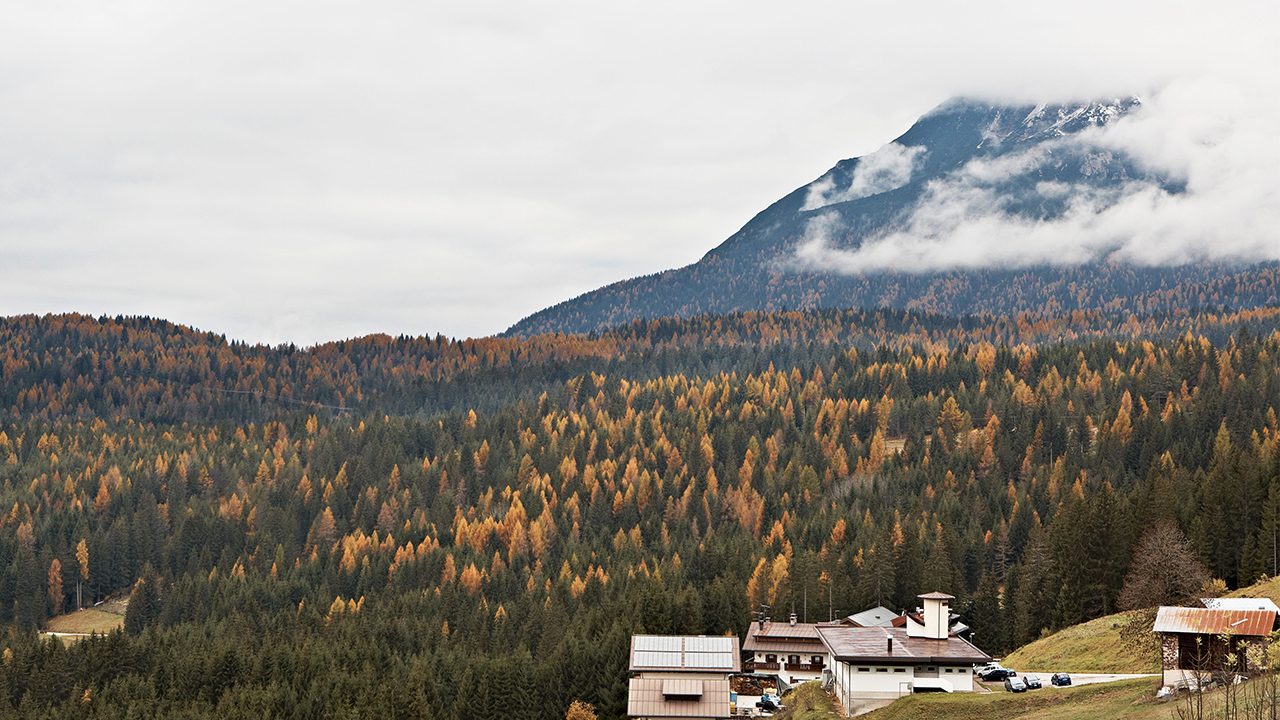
{"x": 1264, "y": 588}
{"x": 1094, "y": 646}
{"x": 87, "y": 620}
{"x": 1130, "y": 700}
{"x": 808, "y": 702}
{"x": 102, "y": 619}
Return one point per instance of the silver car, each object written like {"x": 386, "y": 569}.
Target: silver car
{"x": 1015, "y": 685}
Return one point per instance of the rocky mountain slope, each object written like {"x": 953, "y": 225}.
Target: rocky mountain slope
{"x": 1030, "y": 162}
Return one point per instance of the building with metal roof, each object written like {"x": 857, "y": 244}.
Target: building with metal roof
{"x": 1200, "y": 643}
{"x": 879, "y": 616}
{"x": 681, "y": 676}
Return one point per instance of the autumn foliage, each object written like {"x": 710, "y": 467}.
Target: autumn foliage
{"x": 487, "y": 522}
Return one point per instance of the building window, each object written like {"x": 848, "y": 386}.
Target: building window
{"x": 962, "y": 671}
{"x": 816, "y": 660}
{"x": 793, "y": 659}
{"x": 901, "y": 670}
{"x": 946, "y": 670}
{"x": 771, "y": 658}
{"x": 882, "y": 670}
{"x": 864, "y": 669}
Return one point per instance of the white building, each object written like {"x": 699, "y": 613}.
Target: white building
{"x": 681, "y": 676}
{"x": 887, "y": 662}
{"x": 791, "y": 650}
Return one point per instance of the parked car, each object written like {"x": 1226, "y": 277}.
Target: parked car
{"x": 1014, "y": 685}
{"x": 770, "y": 703}
{"x": 1032, "y": 682}
{"x": 1060, "y": 680}
{"x": 995, "y": 673}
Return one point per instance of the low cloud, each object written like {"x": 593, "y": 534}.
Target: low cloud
{"x": 1215, "y": 142}
{"x": 886, "y": 169}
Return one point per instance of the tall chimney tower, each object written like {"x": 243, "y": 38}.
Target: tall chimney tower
{"x": 937, "y": 615}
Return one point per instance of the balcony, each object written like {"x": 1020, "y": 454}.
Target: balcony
{"x": 762, "y": 666}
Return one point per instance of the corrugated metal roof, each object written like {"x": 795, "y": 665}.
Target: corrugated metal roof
{"x": 1205, "y": 621}
{"x": 646, "y": 698}
{"x": 858, "y": 644}
{"x": 880, "y": 616}
{"x": 681, "y": 687}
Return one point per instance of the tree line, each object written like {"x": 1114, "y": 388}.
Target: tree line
{"x": 464, "y": 562}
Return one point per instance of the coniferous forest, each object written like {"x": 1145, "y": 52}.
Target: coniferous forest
{"x": 409, "y": 527}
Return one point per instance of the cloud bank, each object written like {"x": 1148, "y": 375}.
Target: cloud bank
{"x": 303, "y": 170}
{"x": 888, "y": 168}
{"x": 1216, "y": 141}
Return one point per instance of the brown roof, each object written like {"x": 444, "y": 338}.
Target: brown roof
{"x": 1204, "y": 621}
{"x": 784, "y": 630}
{"x": 784, "y": 646}
{"x": 870, "y": 645}
{"x": 783, "y": 638}
{"x": 648, "y": 697}
{"x": 936, "y": 596}
{"x": 681, "y": 688}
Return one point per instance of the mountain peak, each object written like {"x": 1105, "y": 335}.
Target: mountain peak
{"x": 966, "y": 162}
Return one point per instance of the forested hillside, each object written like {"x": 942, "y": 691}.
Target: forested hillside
{"x": 422, "y": 527}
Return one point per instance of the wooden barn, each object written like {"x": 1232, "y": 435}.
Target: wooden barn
{"x": 1197, "y": 644}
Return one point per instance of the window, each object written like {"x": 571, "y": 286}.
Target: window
{"x": 864, "y": 669}
{"x": 901, "y": 670}
{"x": 946, "y": 670}
{"x": 771, "y": 658}
{"x": 882, "y": 669}
{"x": 962, "y": 671}
{"x": 793, "y": 659}
{"x": 816, "y": 660}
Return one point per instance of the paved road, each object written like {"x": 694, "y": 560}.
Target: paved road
{"x": 1076, "y": 679}
{"x": 1088, "y": 678}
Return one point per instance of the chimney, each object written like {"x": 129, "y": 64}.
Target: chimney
{"x": 793, "y": 618}
{"x": 890, "y": 645}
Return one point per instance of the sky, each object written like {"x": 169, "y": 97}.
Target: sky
{"x": 304, "y": 171}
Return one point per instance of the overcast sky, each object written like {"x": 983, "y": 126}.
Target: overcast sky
{"x": 304, "y": 171}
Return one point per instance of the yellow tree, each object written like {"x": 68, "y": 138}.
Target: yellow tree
{"x": 55, "y": 586}
{"x": 579, "y": 710}
{"x": 779, "y": 581}
{"x": 82, "y": 556}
